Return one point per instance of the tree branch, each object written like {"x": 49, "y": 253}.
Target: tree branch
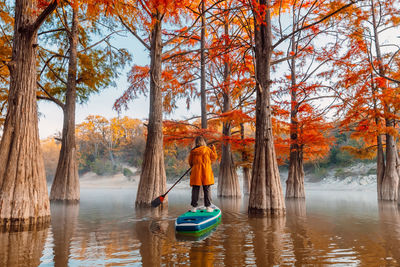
{"x": 134, "y": 33}
{"x": 314, "y": 23}
{"x": 50, "y": 97}
{"x": 50, "y": 31}
{"x": 99, "y": 42}
{"x": 42, "y": 17}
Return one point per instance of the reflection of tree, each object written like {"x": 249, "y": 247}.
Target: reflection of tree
{"x": 202, "y": 254}
{"x": 268, "y": 239}
{"x": 22, "y": 248}
{"x": 297, "y": 225}
{"x": 389, "y": 215}
{"x": 64, "y": 218}
{"x": 234, "y": 233}
{"x": 152, "y": 235}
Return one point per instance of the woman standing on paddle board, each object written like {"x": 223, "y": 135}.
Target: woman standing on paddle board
{"x": 200, "y": 160}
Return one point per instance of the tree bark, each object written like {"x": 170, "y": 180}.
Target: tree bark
{"x": 23, "y": 191}
{"x": 65, "y": 186}
{"x": 390, "y": 181}
{"x": 266, "y": 195}
{"x": 153, "y": 178}
{"x": 295, "y": 180}
{"x": 380, "y": 159}
{"x": 202, "y": 69}
{"x": 228, "y": 183}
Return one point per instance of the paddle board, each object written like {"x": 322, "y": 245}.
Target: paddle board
{"x": 198, "y": 222}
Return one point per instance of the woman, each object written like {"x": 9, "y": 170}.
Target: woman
{"x": 200, "y": 160}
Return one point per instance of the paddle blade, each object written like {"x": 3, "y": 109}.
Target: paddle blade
{"x": 157, "y": 202}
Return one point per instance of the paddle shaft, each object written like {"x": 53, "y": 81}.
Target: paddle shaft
{"x": 177, "y": 182}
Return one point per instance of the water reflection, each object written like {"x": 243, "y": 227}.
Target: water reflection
{"x": 296, "y": 224}
{"x": 390, "y": 225}
{"x": 152, "y": 235}
{"x": 233, "y": 230}
{"x": 345, "y": 229}
{"x": 268, "y": 239}
{"x": 22, "y": 248}
{"x": 63, "y": 224}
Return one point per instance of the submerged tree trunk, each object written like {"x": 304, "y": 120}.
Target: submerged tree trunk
{"x": 390, "y": 181}
{"x": 295, "y": 180}
{"x": 23, "y": 191}
{"x": 153, "y": 179}
{"x": 266, "y": 196}
{"x": 228, "y": 183}
{"x": 65, "y": 186}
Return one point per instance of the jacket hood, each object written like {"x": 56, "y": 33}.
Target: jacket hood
{"x": 200, "y": 150}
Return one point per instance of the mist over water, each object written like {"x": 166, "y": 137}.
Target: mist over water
{"x": 342, "y": 228}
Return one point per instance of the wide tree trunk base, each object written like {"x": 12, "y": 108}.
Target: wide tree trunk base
{"x": 228, "y": 182}
{"x": 65, "y": 187}
{"x": 152, "y": 181}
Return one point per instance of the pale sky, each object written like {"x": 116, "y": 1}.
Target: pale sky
{"x": 51, "y": 116}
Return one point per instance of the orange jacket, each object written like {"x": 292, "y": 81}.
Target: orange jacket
{"x": 200, "y": 159}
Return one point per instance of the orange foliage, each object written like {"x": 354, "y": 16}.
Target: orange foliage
{"x": 370, "y": 102}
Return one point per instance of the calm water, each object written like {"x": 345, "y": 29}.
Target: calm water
{"x": 330, "y": 228}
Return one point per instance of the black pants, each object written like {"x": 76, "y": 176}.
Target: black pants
{"x": 195, "y": 195}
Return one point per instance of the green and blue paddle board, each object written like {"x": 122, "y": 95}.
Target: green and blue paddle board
{"x": 198, "y": 222}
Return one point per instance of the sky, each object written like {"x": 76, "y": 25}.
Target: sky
{"x": 51, "y": 116}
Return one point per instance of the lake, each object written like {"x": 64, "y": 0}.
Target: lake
{"x": 341, "y": 228}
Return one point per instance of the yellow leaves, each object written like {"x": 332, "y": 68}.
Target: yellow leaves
{"x": 361, "y": 153}
{"x": 50, "y": 151}
{"x": 97, "y": 129}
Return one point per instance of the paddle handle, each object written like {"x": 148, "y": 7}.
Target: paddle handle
{"x": 176, "y": 182}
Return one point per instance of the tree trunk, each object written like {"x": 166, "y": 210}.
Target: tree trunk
{"x": 246, "y": 180}
{"x": 228, "y": 183}
{"x": 246, "y": 170}
{"x": 65, "y": 186}
{"x": 380, "y": 166}
{"x": 23, "y": 191}
{"x": 202, "y": 70}
{"x": 153, "y": 179}
{"x": 266, "y": 195}
{"x": 390, "y": 181}
{"x": 295, "y": 181}
{"x": 380, "y": 159}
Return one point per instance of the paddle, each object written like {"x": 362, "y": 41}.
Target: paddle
{"x": 156, "y": 202}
